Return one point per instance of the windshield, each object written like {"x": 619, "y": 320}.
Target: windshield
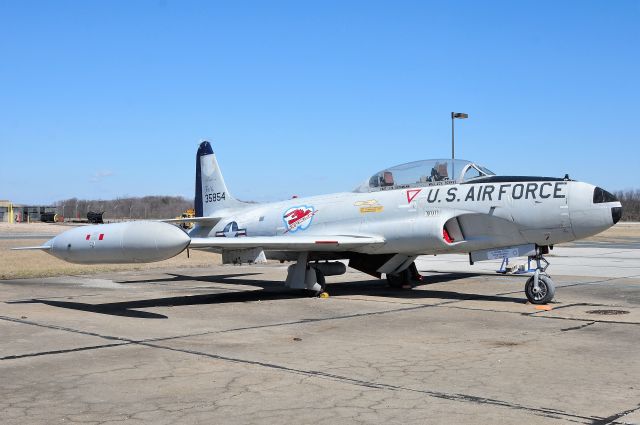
{"x": 424, "y": 173}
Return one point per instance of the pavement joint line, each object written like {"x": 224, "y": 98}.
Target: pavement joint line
{"x": 595, "y": 282}
{"x": 613, "y": 322}
{"x": 539, "y": 411}
{"x": 63, "y": 351}
{"x": 576, "y": 328}
{"x": 613, "y": 419}
{"x": 63, "y": 328}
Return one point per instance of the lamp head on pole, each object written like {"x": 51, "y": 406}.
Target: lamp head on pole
{"x": 460, "y": 115}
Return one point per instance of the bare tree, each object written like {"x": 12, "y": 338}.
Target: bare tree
{"x": 630, "y": 200}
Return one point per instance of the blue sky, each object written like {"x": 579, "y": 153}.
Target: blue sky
{"x": 107, "y": 99}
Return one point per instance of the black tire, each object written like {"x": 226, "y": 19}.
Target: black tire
{"x": 547, "y": 290}
{"x": 398, "y": 280}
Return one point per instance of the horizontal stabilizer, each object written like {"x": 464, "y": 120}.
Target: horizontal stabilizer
{"x": 288, "y": 243}
{"x": 207, "y": 221}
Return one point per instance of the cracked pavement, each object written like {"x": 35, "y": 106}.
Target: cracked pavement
{"x": 229, "y": 344}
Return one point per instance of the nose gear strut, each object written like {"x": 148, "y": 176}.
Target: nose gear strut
{"x": 540, "y": 288}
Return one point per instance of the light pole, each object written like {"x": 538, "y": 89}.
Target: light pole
{"x": 454, "y": 115}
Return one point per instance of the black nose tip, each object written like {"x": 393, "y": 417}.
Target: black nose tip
{"x": 616, "y": 214}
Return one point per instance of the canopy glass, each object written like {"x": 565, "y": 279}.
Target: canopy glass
{"x": 427, "y": 172}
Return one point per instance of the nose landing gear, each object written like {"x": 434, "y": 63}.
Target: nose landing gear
{"x": 539, "y": 288}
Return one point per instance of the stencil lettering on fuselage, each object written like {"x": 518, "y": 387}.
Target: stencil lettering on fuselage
{"x": 495, "y": 192}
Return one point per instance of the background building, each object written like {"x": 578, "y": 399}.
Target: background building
{"x": 12, "y": 213}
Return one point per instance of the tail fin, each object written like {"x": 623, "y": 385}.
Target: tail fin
{"x": 211, "y": 192}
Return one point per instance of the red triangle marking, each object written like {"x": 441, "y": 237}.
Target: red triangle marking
{"x": 411, "y": 194}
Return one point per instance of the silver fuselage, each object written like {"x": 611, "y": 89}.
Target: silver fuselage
{"x": 411, "y": 220}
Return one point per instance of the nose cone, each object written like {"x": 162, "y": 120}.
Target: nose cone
{"x": 601, "y": 196}
{"x": 592, "y": 209}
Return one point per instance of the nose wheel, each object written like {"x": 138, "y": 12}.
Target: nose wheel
{"x": 540, "y": 288}
{"x": 543, "y": 292}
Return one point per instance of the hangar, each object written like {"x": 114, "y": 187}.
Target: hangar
{"x": 19, "y": 213}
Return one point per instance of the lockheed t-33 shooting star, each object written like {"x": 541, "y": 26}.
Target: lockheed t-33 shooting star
{"x": 423, "y": 207}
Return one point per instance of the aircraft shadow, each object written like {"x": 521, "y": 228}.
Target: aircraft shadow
{"x": 271, "y": 290}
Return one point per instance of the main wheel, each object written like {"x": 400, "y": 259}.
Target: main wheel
{"x": 545, "y": 293}
{"x": 399, "y": 280}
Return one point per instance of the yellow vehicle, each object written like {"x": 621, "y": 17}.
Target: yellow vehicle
{"x": 190, "y": 213}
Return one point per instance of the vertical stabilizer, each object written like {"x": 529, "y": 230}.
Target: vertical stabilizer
{"x": 211, "y": 191}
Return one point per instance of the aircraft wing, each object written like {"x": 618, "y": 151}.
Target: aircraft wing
{"x": 289, "y": 243}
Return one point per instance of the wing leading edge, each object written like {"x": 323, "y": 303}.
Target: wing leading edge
{"x": 289, "y": 243}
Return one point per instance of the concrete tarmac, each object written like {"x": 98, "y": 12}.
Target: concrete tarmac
{"x": 229, "y": 344}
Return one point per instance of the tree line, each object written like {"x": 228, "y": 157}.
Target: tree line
{"x": 630, "y": 200}
{"x": 147, "y": 207}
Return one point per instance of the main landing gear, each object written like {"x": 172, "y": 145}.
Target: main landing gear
{"x": 539, "y": 288}
{"x": 310, "y": 276}
{"x": 405, "y": 279}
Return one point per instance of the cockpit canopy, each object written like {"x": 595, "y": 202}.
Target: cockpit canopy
{"x": 428, "y": 172}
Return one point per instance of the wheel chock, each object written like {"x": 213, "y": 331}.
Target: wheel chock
{"x": 543, "y": 307}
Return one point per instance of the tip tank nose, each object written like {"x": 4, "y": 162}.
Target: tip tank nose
{"x": 130, "y": 242}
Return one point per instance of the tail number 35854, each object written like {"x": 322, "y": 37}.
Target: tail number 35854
{"x": 214, "y": 197}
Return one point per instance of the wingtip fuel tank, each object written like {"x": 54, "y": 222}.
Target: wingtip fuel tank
{"x": 129, "y": 242}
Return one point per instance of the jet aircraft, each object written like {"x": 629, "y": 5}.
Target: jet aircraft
{"x": 419, "y": 208}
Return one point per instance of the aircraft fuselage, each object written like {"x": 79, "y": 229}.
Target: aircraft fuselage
{"x": 411, "y": 220}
